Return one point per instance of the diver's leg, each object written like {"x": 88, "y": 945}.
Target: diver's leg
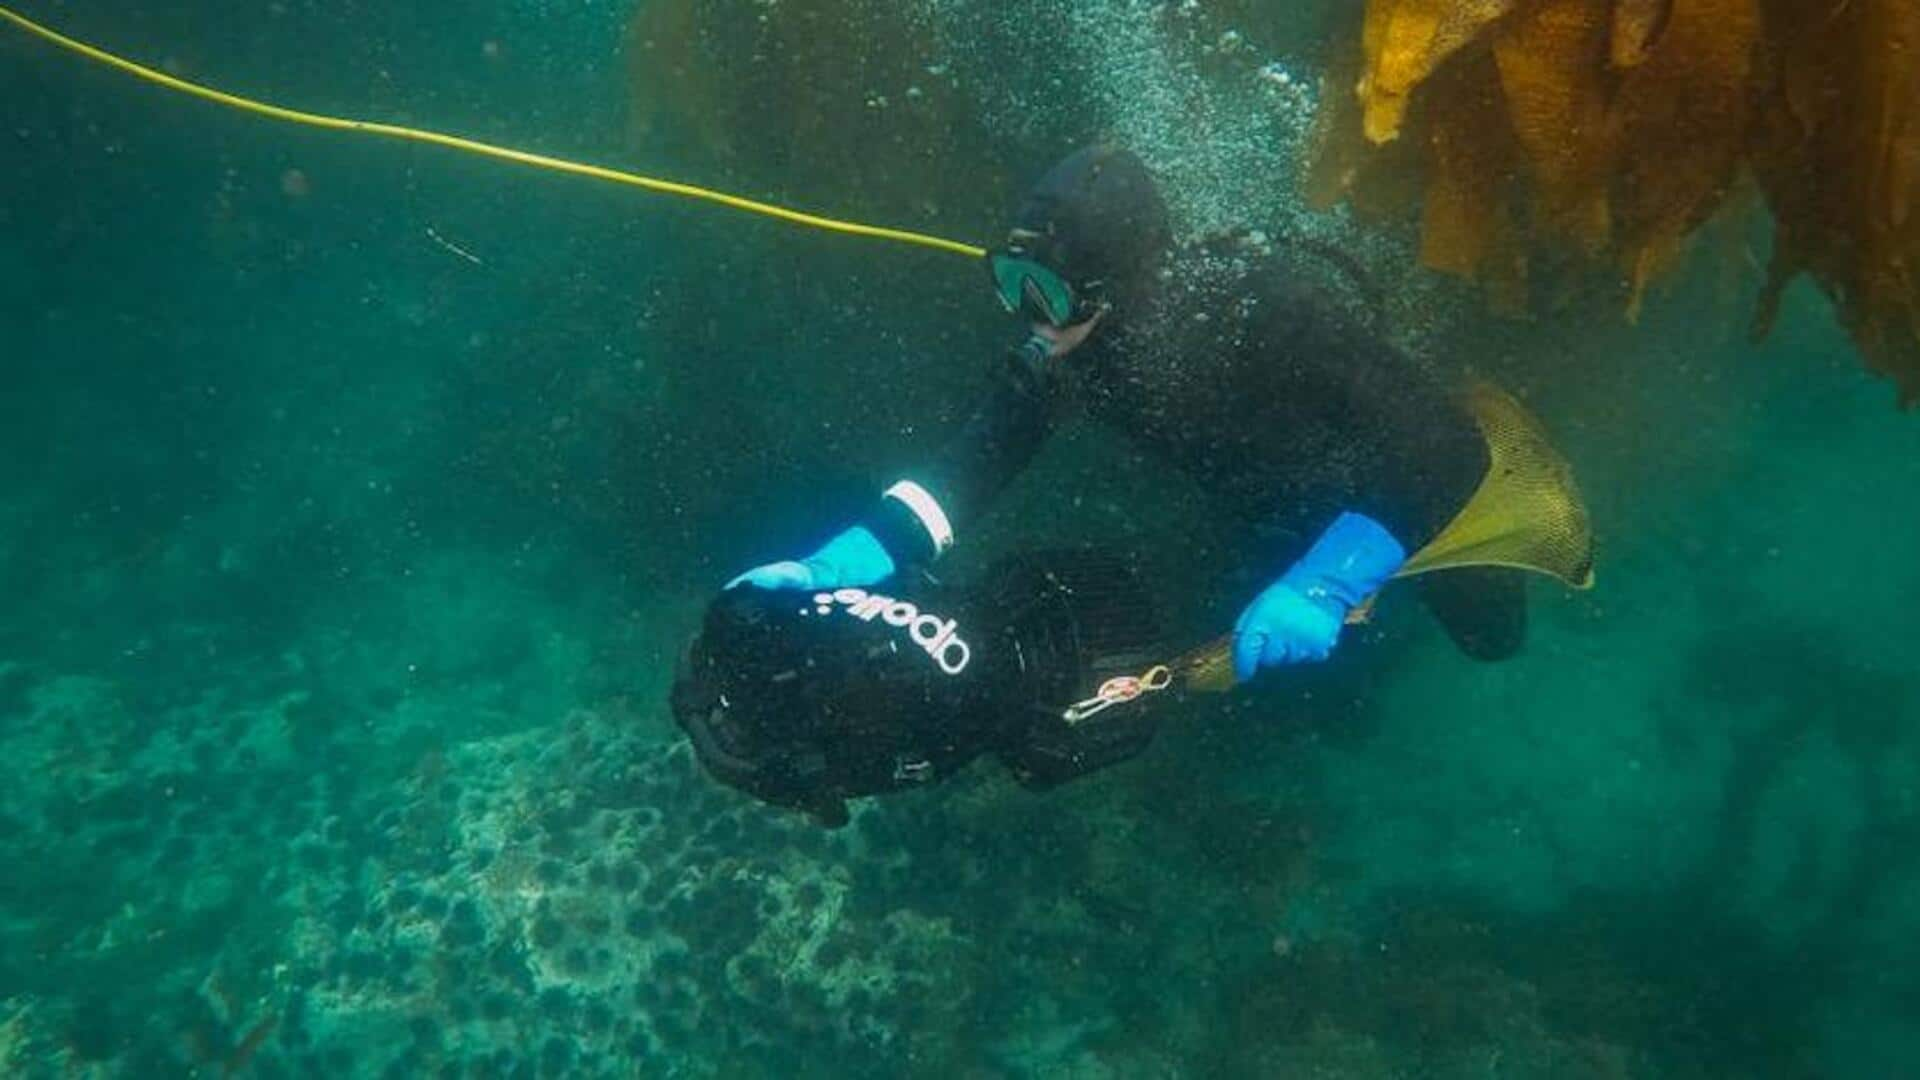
{"x": 1484, "y": 609}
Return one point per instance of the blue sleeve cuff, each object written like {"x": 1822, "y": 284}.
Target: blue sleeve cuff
{"x": 1351, "y": 561}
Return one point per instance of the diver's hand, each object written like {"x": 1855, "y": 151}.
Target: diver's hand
{"x": 1284, "y": 626}
{"x": 855, "y": 558}
{"x": 1298, "y": 618}
{"x": 1064, "y": 339}
{"x": 779, "y": 575}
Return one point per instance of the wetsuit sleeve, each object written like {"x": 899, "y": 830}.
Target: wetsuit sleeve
{"x": 920, "y": 516}
{"x": 1424, "y": 453}
{"x": 1399, "y": 447}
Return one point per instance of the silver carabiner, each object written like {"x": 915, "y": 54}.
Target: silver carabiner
{"x": 1118, "y": 691}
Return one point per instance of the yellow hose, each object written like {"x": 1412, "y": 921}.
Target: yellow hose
{"x": 499, "y": 153}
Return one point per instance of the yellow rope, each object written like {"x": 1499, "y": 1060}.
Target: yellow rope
{"x": 500, "y": 153}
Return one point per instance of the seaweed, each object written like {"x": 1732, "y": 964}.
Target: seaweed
{"x": 249, "y": 1045}
{"x": 209, "y": 1041}
{"x": 1614, "y": 129}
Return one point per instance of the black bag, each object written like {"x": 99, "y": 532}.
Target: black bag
{"x": 807, "y": 699}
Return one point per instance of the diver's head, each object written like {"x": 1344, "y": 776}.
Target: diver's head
{"x": 1085, "y": 242}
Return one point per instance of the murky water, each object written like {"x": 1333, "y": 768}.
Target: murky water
{"x": 357, "y": 498}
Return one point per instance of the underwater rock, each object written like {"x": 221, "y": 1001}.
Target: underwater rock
{"x": 723, "y": 946}
{"x": 19, "y": 1036}
{"x": 692, "y": 925}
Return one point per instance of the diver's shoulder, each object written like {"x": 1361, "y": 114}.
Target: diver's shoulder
{"x": 1220, "y": 271}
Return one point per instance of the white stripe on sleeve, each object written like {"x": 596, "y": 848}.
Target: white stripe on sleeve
{"x": 927, "y": 509}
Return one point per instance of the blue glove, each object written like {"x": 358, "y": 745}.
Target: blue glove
{"x": 1298, "y": 618}
{"x": 855, "y": 558}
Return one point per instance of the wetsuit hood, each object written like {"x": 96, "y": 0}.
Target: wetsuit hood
{"x": 1097, "y": 218}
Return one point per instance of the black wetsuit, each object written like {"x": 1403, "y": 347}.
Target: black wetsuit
{"x": 1245, "y": 375}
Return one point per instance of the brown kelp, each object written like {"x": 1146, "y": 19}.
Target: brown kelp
{"x": 1615, "y": 128}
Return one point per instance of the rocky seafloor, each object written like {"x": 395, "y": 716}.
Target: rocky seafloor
{"x": 224, "y": 886}
{"x": 261, "y": 881}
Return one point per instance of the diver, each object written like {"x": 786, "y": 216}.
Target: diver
{"x": 1265, "y": 388}
{"x": 1262, "y": 387}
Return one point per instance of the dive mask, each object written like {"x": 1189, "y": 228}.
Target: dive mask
{"x": 1026, "y": 285}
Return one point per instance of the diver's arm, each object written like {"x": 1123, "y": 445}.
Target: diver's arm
{"x": 915, "y": 519}
{"x": 920, "y": 516}
{"x": 1405, "y": 465}
{"x": 1419, "y": 452}
{"x": 1409, "y": 454}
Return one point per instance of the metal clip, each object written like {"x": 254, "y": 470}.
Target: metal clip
{"x": 1118, "y": 691}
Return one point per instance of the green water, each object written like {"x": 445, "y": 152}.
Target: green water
{"x": 355, "y": 499}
